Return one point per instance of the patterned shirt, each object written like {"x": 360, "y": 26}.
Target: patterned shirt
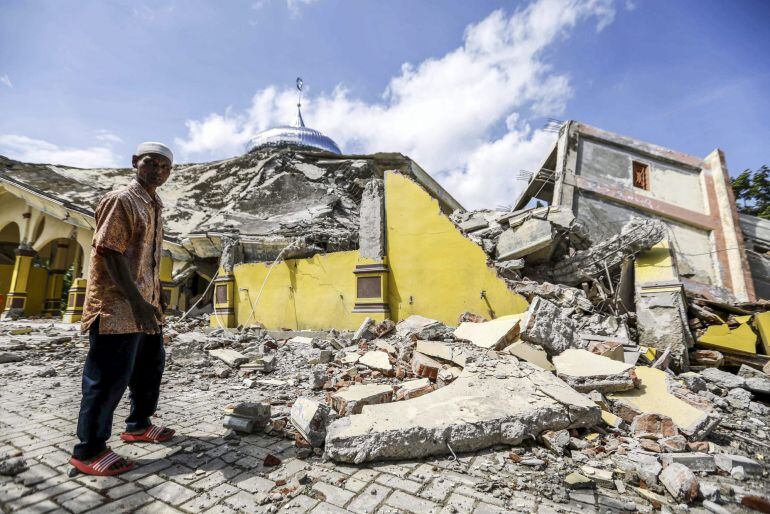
{"x": 128, "y": 221}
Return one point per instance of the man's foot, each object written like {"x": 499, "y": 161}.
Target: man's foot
{"x": 151, "y": 434}
{"x": 107, "y": 463}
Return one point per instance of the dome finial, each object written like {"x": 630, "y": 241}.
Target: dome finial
{"x": 300, "y": 122}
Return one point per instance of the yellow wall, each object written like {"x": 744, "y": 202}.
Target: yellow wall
{"x": 655, "y": 265}
{"x": 434, "y": 264}
{"x": 38, "y": 278}
{"x": 314, "y": 293}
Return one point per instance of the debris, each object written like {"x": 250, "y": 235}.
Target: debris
{"x": 495, "y": 334}
{"x": 475, "y": 411}
{"x": 424, "y": 366}
{"x": 423, "y": 328}
{"x": 6, "y": 357}
{"x": 531, "y": 353}
{"x": 706, "y": 358}
{"x": 271, "y": 461}
{"x": 662, "y": 322}
{"x": 353, "y": 399}
{"x": 585, "y": 371}
{"x": 376, "y": 360}
{"x": 12, "y": 466}
{"x": 556, "y": 441}
{"x": 229, "y": 357}
{"x": 680, "y": 482}
{"x": 310, "y": 418}
{"x": 727, "y": 462}
{"x": 606, "y": 347}
{"x": 695, "y": 461}
{"x": 722, "y": 337}
{"x": 722, "y": 379}
{"x": 653, "y": 426}
{"x": 363, "y": 329}
{"x": 524, "y": 239}
{"x": 414, "y": 388}
{"x": 653, "y": 396}
{"x": 434, "y": 349}
{"x": 247, "y": 417}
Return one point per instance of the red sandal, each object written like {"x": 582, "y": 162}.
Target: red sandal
{"x": 153, "y": 434}
{"x": 107, "y": 464}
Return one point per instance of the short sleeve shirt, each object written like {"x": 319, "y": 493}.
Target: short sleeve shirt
{"x": 128, "y": 221}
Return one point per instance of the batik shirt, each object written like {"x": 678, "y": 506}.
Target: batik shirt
{"x": 128, "y": 221}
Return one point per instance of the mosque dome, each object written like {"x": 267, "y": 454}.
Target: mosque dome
{"x": 297, "y": 134}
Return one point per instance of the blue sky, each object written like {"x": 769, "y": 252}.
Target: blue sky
{"x": 463, "y": 87}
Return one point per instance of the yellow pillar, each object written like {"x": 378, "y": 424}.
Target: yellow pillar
{"x": 224, "y": 300}
{"x": 372, "y": 288}
{"x": 17, "y": 294}
{"x": 76, "y": 296}
{"x": 167, "y": 288}
{"x": 56, "y": 271}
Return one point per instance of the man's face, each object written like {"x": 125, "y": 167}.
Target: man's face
{"x": 152, "y": 169}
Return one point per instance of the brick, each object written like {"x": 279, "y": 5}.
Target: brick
{"x": 253, "y": 483}
{"x": 79, "y": 500}
{"x": 424, "y": 366}
{"x": 398, "y": 483}
{"x": 328, "y": 508}
{"x": 299, "y": 505}
{"x": 208, "y": 499}
{"x": 243, "y": 501}
{"x": 126, "y": 504}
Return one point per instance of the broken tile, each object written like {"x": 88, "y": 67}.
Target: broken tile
{"x": 585, "y": 371}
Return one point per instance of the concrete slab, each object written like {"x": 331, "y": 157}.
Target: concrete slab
{"x": 414, "y": 388}
{"x": 376, "y": 360}
{"x": 352, "y": 400}
{"x": 494, "y": 335}
{"x": 652, "y": 396}
{"x": 762, "y": 324}
{"x": 741, "y": 339}
{"x": 434, "y": 349}
{"x": 585, "y": 371}
{"x": 531, "y": 353}
{"x": 496, "y": 402}
{"x": 229, "y": 357}
{"x": 529, "y": 237}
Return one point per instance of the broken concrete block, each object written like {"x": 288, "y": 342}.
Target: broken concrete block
{"x": 722, "y": 337}
{"x": 230, "y": 357}
{"x": 318, "y": 356}
{"x": 762, "y": 324}
{"x": 239, "y": 424}
{"x": 531, "y": 353}
{"x": 602, "y": 477}
{"x": 529, "y": 237}
{"x": 755, "y": 380}
{"x": 363, "y": 330}
{"x": 706, "y": 358}
{"x": 376, "y": 360}
{"x": 422, "y": 328}
{"x": 727, "y": 462}
{"x": 645, "y": 466}
{"x": 413, "y": 389}
{"x": 585, "y": 371}
{"x": 483, "y": 407}
{"x": 351, "y": 358}
{"x": 448, "y": 375}
{"x": 383, "y": 328}
{"x": 607, "y": 348}
{"x": 611, "y": 420}
{"x": 722, "y": 379}
{"x": 673, "y": 444}
{"x": 653, "y": 426}
{"x": 434, "y": 349}
{"x": 263, "y": 363}
{"x": 386, "y": 347}
{"x": 653, "y": 396}
{"x": 548, "y": 325}
{"x": 556, "y": 441}
{"x": 352, "y": 400}
{"x": 424, "y": 366}
{"x": 493, "y": 335}
{"x": 680, "y": 482}
{"x": 7, "y": 357}
{"x": 318, "y": 376}
{"x": 662, "y": 322}
{"x": 576, "y": 480}
{"x": 470, "y": 317}
{"x": 739, "y": 398}
{"x": 474, "y": 223}
{"x": 310, "y": 418}
{"x": 695, "y": 461}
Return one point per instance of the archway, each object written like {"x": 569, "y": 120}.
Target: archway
{"x": 58, "y": 261}
{"x": 9, "y": 242}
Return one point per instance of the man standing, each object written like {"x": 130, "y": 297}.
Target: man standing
{"x": 123, "y": 316}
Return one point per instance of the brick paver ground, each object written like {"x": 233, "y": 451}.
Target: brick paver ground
{"x": 199, "y": 471}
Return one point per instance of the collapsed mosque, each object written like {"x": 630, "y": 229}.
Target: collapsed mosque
{"x": 296, "y": 234}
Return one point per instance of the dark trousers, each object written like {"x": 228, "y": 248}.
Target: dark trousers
{"x": 114, "y": 362}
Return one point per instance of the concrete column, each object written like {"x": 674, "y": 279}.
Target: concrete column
{"x": 167, "y": 287}
{"x": 77, "y": 293}
{"x": 56, "y": 272}
{"x": 17, "y": 294}
{"x": 224, "y": 301}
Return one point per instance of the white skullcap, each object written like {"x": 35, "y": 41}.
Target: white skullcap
{"x": 153, "y": 147}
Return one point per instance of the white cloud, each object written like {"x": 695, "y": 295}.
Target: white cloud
{"x": 465, "y": 117}
{"x": 27, "y": 149}
{"x": 108, "y": 137}
{"x": 6, "y": 81}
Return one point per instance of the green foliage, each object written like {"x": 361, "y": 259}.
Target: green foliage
{"x": 752, "y": 192}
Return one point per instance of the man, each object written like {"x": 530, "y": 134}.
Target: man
{"x": 123, "y": 316}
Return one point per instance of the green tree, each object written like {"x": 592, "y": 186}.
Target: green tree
{"x": 752, "y": 192}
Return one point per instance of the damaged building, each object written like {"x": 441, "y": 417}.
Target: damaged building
{"x": 603, "y": 343}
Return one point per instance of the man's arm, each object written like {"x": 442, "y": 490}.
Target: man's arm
{"x": 147, "y": 316}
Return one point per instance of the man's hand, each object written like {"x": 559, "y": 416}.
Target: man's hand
{"x": 147, "y": 316}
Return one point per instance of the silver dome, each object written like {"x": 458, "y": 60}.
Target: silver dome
{"x": 298, "y": 135}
